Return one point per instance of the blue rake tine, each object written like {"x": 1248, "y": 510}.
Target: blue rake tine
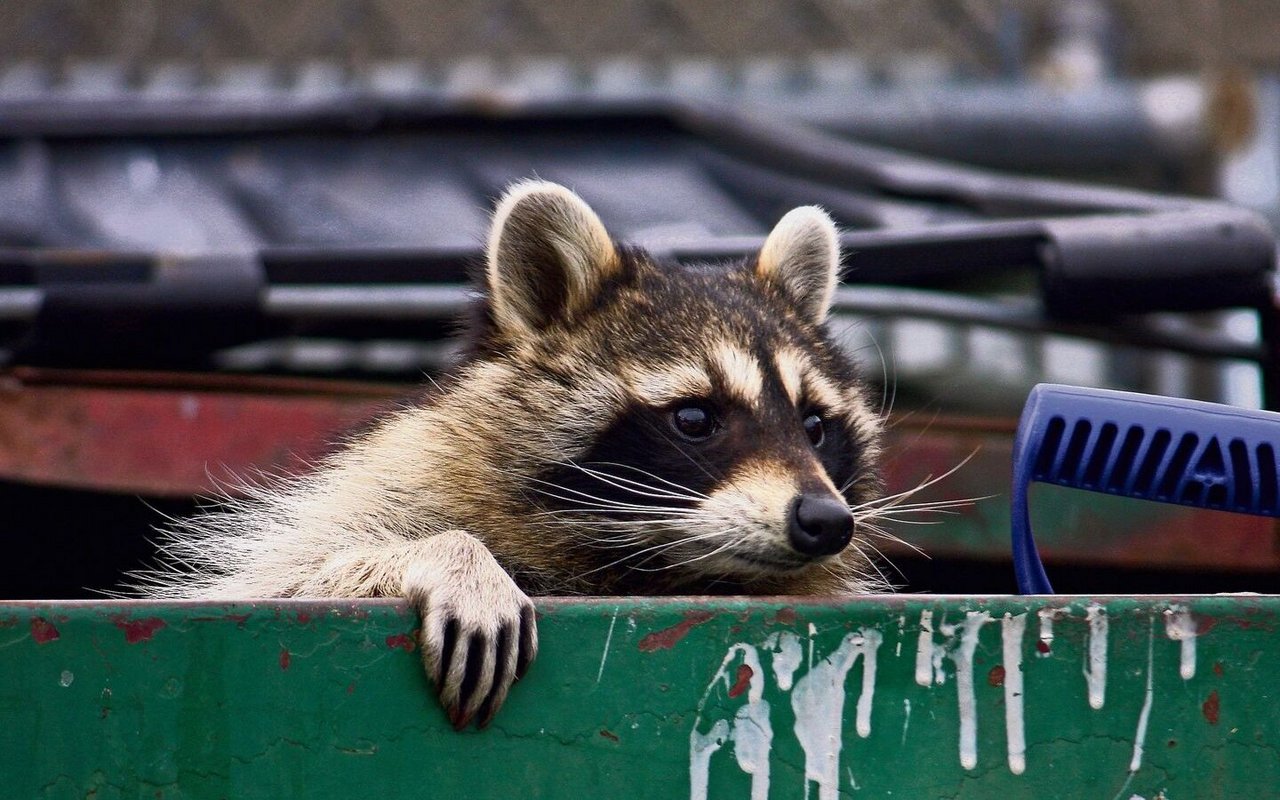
{"x": 1164, "y": 449}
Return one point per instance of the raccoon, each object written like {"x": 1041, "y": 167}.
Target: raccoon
{"x": 617, "y": 426}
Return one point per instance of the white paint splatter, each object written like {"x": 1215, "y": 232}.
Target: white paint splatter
{"x": 1140, "y": 737}
{"x": 924, "y": 649}
{"x": 1095, "y": 671}
{"x": 701, "y": 748}
{"x": 786, "y": 657}
{"x": 751, "y": 731}
{"x": 1012, "y": 629}
{"x": 604, "y": 654}
{"x": 963, "y": 658}
{"x": 818, "y": 703}
{"x": 1180, "y": 626}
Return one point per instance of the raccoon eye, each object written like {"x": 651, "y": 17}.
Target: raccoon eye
{"x": 813, "y": 427}
{"x": 693, "y": 421}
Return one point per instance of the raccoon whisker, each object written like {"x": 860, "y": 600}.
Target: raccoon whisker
{"x": 959, "y": 502}
{"x": 695, "y": 559}
{"x": 864, "y": 583}
{"x": 873, "y": 562}
{"x": 928, "y": 507}
{"x": 889, "y": 516}
{"x": 601, "y": 502}
{"x": 929, "y": 480}
{"x": 658, "y": 547}
{"x": 888, "y": 394}
{"x": 677, "y": 492}
{"x": 655, "y": 511}
{"x": 680, "y": 489}
{"x": 605, "y": 524}
{"x": 883, "y": 534}
{"x": 628, "y": 485}
{"x": 880, "y": 533}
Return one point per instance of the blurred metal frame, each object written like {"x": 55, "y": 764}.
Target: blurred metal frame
{"x": 1100, "y": 255}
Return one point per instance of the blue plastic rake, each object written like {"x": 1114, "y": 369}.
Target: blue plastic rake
{"x": 1136, "y": 445}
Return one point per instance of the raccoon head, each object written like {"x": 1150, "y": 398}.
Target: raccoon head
{"x": 691, "y": 424}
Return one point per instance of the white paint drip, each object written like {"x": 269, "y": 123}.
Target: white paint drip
{"x": 818, "y": 703}
{"x": 870, "y": 651}
{"x": 906, "y": 718}
{"x": 1047, "y": 616}
{"x": 963, "y": 658}
{"x": 940, "y": 651}
{"x": 1096, "y": 667}
{"x": 924, "y": 649}
{"x": 751, "y": 732}
{"x": 604, "y": 655}
{"x": 1140, "y": 737}
{"x": 1012, "y": 629}
{"x": 1180, "y": 626}
{"x": 701, "y": 748}
{"x": 787, "y": 655}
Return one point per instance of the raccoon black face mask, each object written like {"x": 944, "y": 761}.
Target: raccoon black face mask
{"x": 617, "y": 426}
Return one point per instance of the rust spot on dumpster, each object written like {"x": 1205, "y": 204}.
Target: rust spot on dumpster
{"x": 137, "y": 630}
{"x": 786, "y": 616}
{"x": 304, "y": 618}
{"x": 403, "y": 641}
{"x": 1212, "y": 707}
{"x": 669, "y": 638}
{"x": 1217, "y": 668}
{"x": 608, "y": 734}
{"x": 996, "y": 676}
{"x": 1042, "y": 647}
{"x": 742, "y": 680}
{"x": 43, "y": 630}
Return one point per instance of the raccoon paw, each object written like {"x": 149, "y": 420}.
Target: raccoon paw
{"x": 478, "y": 633}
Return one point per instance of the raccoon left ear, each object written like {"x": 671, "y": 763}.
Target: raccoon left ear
{"x": 548, "y": 256}
{"x": 802, "y": 257}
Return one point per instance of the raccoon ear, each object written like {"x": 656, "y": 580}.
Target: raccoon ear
{"x": 548, "y": 256}
{"x": 802, "y": 257}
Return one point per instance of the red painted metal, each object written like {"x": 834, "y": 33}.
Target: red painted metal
{"x": 167, "y": 440}
{"x": 167, "y": 434}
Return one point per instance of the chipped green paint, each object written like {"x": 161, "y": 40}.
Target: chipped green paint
{"x": 900, "y": 696}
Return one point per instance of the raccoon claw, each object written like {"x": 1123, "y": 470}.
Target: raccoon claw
{"x": 478, "y": 637}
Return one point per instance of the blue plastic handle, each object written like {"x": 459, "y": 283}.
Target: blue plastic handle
{"x": 1138, "y": 445}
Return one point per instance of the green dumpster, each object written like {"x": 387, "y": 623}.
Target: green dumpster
{"x": 885, "y": 696}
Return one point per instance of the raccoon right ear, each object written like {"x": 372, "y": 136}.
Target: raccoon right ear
{"x": 548, "y": 256}
{"x": 801, "y": 256}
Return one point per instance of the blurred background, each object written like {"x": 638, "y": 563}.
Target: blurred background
{"x": 229, "y": 230}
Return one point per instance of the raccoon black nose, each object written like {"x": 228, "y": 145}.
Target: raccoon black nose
{"x": 819, "y": 525}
